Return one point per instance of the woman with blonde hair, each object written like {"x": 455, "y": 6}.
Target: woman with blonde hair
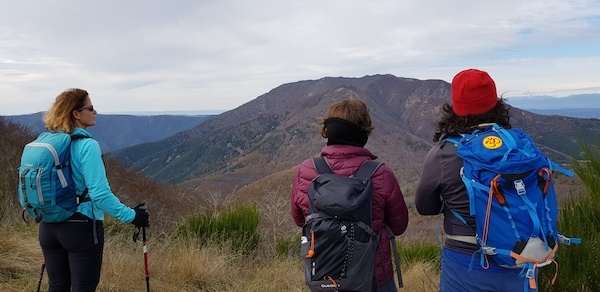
{"x": 73, "y": 249}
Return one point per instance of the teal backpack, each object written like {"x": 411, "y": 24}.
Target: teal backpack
{"x": 46, "y": 188}
{"x": 511, "y": 194}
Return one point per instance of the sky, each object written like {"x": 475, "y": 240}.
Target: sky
{"x": 212, "y": 56}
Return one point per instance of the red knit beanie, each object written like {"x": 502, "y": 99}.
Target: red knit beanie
{"x": 473, "y": 93}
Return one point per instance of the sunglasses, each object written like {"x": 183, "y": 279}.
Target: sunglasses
{"x": 89, "y": 108}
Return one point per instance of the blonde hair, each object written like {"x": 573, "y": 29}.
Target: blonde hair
{"x": 60, "y": 115}
{"x": 353, "y": 110}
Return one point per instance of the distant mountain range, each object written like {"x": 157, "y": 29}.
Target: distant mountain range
{"x": 277, "y": 130}
{"x": 580, "y": 105}
{"x": 115, "y": 132}
{"x": 273, "y": 133}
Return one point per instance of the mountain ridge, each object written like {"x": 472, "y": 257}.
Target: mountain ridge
{"x": 278, "y": 130}
{"x": 118, "y": 131}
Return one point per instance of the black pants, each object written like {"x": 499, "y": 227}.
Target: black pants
{"x": 72, "y": 258}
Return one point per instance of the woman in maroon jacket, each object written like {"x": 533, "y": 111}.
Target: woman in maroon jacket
{"x": 347, "y": 126}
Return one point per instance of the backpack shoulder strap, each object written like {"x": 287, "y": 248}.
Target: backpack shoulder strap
{"x": 367, "y": 169}
{"x": 83, "y": 197}
{"x": 453, "y": 140}
{"x": 77, "y": 136}
{"x": 321, "y": 165}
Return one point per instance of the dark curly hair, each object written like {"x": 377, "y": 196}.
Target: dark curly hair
{"x": 449, "y": 124}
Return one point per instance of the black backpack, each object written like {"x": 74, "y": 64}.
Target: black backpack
{"x": 338, "y": 244}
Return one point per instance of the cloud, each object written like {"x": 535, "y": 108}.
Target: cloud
{"x": 205, "y": 55}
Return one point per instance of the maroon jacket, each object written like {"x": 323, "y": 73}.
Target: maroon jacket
{"x": 388, "y": 203}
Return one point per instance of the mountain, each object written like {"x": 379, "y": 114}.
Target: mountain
{"x": 115, "y": 132}
{"x": 276, "y": 131}
{"x": 579, "y": 105}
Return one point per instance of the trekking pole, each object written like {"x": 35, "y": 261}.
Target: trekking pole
{"x": 41, "y": 274}
{"x": 136, "y": 236}
{"x": 145, "y": 249}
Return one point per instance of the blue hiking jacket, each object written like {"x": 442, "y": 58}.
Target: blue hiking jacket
{"x": 89, "y": 172}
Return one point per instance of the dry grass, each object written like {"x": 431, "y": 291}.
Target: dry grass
{"x": 20, "y": 259}
{"x": 421, "y": 277}
{"x": 174, "y": 265}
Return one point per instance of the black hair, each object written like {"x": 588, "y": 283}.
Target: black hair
{"x": 450, "y": 124}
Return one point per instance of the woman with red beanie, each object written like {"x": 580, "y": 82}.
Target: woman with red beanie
{"x": 475, "y": 104}
{"x": 347, "y": 126}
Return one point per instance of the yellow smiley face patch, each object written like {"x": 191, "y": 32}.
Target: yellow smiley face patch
{"x": 492, "y": 142}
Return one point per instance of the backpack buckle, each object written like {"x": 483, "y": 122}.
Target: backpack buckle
{"x": 568, "y": 241}
{"x": 564, "y": 240}
{"x": 311, "y": 216}
{"x": 520, "y": 187}
{"x": 529, "y": 274}
{"x": 488, "y": 250}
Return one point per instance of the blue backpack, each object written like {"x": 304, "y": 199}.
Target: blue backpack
{"x": 46, "y": 188}
{"x": 511, "y": 194}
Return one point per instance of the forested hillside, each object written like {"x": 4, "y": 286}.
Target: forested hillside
{"x": 130, "y": 187}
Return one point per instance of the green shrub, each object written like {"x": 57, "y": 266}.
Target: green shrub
{"x": 236, "y": 227}
{"x": 419, "y": 252}
{"x": 579, "y": 265}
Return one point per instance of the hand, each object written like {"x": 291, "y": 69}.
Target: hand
{"x": 141, "y": 218}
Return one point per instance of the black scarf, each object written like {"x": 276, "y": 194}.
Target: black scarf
{"x": 340, "y": 131}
